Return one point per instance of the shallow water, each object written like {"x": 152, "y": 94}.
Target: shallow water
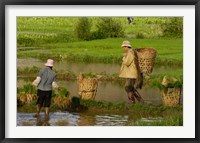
{"x": 83, "y": 67}
{"x": 110, "y": 92}
{"x": 107, "y": 91}
{"x": 71, "y": 119}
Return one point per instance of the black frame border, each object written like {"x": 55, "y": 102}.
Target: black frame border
{"x": 3, "y": 4}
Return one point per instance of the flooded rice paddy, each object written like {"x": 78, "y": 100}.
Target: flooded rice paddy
{"x": 71, "y": 119}
{"x": 82, "y": 67}
{"x": 108, "y": 91}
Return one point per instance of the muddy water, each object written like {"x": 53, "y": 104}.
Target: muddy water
{"x": 82, "y": 67}
{"x": 110, "y": 92}
{"x": 107, "y": 91}
{"x": 71, "y": 119}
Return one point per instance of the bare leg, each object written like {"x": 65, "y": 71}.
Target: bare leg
{"x": 47, "y": 113}
{"x": 138, "y": 96}
{"x": 38, "y": 107}
{"x": 131, "y": 97}
{"x": 129, "y": 86}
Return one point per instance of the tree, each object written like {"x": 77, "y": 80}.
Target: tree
{"x": 83, "y": 28}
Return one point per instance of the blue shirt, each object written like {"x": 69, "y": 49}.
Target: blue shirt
{"x": 47, "y": 78}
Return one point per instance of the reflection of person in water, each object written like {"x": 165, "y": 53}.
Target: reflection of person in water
{"x": 131, "y": 72}
{"x": 40, "y": 122}
{"x": 45, "y": 81}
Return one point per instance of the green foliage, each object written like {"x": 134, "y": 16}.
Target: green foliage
{"x": 172, "y": 120}
{"x": 141, "y": 108}
{"x": 75, "y": 101}
{"x": 83, "y": 28}
{"x": 173, "y": 27}
{"x": 63, "y": 92}
{"x": 89, "y": 75}
{"x": 29, "y": 89}
{"x": 140, "y": 35}
{"x": 108, "y": 28}
{"x": 36, "y": 31}
{"x": 169, "y": 51}
{"x": 157, "y": 80}
{"x": 53, "y": 93}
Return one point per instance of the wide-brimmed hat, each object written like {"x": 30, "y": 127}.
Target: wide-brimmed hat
{"x": 49, "y": 63}
{"x": 126, "y": 44}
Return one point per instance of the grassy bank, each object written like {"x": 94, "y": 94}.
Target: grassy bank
{"x": 169, "y": 52}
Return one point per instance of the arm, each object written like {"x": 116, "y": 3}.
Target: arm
{"x": 37, "y": 80}
{"x": 128, "y": 59}
{"x": 54, "y": 84}
{"x": 140, "y": 75}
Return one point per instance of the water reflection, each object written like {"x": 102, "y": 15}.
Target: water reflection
{"x": 84, "y": 67}
{"x": 110, "y": 92}
{"x": 107, "y": 91}
{"x": 71, "y": 119}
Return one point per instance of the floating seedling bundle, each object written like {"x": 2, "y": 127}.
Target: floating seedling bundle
{"x": 146, "y": 58}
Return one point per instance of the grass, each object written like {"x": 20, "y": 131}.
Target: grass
{"x": 170, "y": 116}
{"x": 66, "y": 24}
{"x": 56, "y": 34}
{"x": 173, "y": 120}
{"x": 108, "y": 51}
{"x": 133, "y": 107}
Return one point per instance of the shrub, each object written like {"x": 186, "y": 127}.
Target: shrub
{"x": 140, "y": 35}
{"x": 108, "y": 28}
{"x": 173, "y": 27}
{"x": 83, "y": 28}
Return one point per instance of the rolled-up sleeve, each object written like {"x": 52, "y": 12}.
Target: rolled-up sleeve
{"x": 36, "y": 81}
{"x": 54, "y": 83}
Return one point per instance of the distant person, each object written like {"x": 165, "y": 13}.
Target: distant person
{"x": 131, "y": 72}
{"x": 45, "y": 82}
{"x": 130, "y": 20}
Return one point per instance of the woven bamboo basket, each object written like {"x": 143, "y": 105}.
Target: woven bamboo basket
{"x": 87, "y": 88}
{"x": 171, "y": 96}
{"x": 146, "y": 58}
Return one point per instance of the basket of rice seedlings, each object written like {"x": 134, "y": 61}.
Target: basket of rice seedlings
{"x": 27, "y": 94}
{"x": 171, "y": 91}
{"x": 87, "y": 86}
{"x": 62, "y": 99}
